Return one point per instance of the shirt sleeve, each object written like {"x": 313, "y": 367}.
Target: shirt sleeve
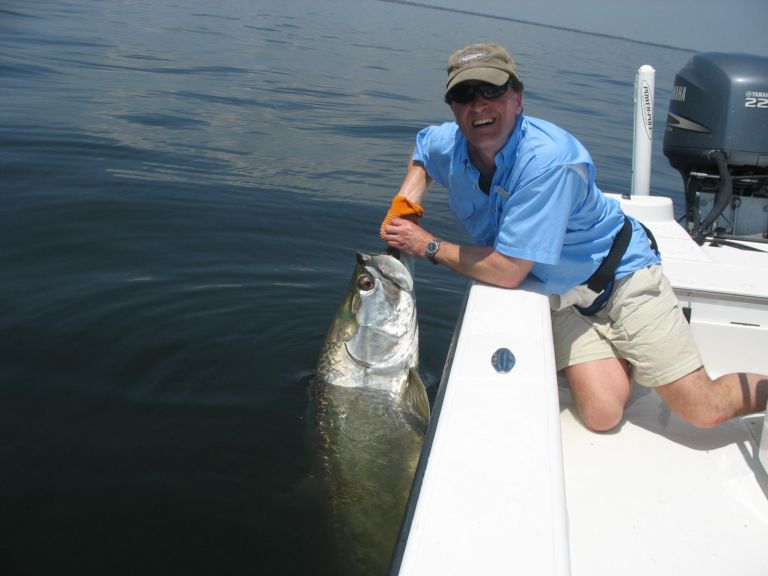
{"x": 536, "y": 215}
{"x": 434, "y": 147}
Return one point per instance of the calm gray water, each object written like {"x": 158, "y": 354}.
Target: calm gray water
{"x": 183, "y": 188}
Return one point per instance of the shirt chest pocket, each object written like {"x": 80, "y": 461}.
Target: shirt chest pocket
{"x": 465, "y": 197}
{"x": 472, "y": 209}
{"x": 462, "y": 205}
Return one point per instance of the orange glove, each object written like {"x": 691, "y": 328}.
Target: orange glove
{"x": 401, "y": 208}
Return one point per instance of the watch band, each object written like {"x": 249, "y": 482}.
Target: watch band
{"x": 431, "y": 250}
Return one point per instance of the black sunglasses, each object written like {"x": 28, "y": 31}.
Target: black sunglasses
{"x": 465, "y": 93}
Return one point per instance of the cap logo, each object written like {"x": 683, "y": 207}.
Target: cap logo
{"x": 471, "y": 56}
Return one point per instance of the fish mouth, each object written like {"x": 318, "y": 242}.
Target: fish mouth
{"x": 363, "y": 259}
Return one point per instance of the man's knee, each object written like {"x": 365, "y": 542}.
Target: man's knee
{"x": 600, "y": 389}
{"x": 701, "y": 416}
{"x": 698, "y": 400}
{"x": 601, "y": 418}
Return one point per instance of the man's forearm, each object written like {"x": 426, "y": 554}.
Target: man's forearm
{"x": 416, "y": 182}
{"x": 484, "y": 264}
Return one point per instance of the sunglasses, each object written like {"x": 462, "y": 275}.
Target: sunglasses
{"x": 465, "y": 93}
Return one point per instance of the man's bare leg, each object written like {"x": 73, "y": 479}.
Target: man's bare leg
{"x": 705, "y": 403}
{"x": 600, "y": 389}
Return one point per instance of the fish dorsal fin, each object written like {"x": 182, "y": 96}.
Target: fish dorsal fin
{"x": 415, "y": 399}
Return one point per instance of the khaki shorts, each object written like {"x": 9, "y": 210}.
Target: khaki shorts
{"x": 641, "y": 323}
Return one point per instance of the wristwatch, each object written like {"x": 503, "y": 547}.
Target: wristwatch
{"x": 432, "y": 247}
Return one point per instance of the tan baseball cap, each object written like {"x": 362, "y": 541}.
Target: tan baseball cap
{"x": 485, "y": 62}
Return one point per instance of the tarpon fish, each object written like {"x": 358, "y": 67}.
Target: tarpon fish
{"x": 371, "y": 409}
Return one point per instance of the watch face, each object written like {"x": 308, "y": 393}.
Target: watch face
{"x": 432, "y": 247}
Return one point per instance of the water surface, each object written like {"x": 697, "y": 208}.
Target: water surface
{"x": 184, "y": 187}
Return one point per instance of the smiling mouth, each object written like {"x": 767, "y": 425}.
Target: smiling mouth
{"x": 482, "y": 122}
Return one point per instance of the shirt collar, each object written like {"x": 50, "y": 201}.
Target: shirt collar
{"x": 507, "y": 152}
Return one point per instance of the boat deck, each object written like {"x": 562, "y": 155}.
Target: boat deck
{"x": 658, "y": 496}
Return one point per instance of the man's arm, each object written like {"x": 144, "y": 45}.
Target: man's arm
{"x": 416, "y": 182}
{"x": 480, "y": 263}
{"x": 407, "y": 201}
{"x": 484, "y": 264}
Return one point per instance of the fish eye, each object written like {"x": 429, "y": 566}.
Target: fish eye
{"x": 366, "y": 282}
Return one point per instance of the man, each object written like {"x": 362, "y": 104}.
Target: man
{"x": 525, "y": 191}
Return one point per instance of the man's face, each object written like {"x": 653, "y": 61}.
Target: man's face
{"x": 487, "y": 123}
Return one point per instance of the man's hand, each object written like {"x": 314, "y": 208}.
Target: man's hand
{"x": 407, "y": 237}
{"x": 401, "y": 207}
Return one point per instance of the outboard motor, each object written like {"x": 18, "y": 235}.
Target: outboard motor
{"x": 717, "y": 137}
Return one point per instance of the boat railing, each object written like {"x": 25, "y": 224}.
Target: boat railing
{"x": 490, "y": 489}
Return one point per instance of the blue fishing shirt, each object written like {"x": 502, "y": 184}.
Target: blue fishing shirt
{"x": 543, "y": 204}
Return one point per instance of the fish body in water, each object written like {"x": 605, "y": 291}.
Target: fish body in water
{"x": 371, "y": 410}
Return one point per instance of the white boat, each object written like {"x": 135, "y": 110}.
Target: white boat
{"x": 511, "y": 482}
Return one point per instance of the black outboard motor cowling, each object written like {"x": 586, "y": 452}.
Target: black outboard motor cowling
{"x": 717, "y": 137}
